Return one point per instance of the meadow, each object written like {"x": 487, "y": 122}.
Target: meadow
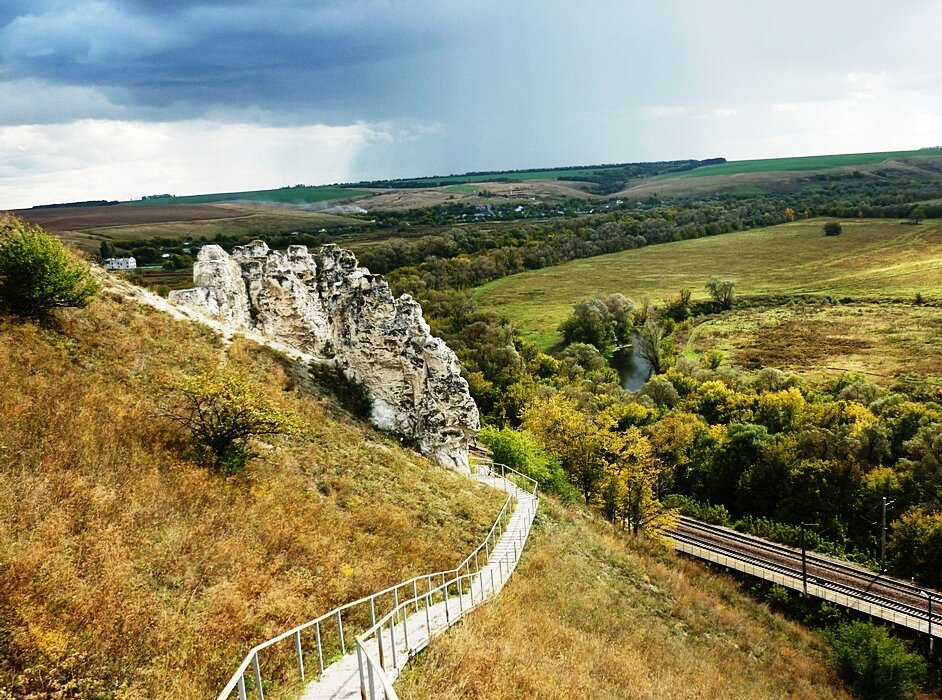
{"x": 86, "y": 227}
{"x": 283, "y": 195}
{"x": 590, "y": 615}
{"x": 873, "y": 260}
{"x": 891, "y": 344}
{"x": 826, "y": 162}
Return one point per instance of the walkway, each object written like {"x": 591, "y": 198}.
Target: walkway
{"x": 432, "y": 613}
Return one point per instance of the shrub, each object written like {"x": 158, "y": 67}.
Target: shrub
{"x": 222, "y": 411}
{"x": 722, "y": 292}
{"x": 519, "y": 450}
{"x": 38, "y": 274}
{"x": 875, "y": 665}
{"x": 833, "y": 228}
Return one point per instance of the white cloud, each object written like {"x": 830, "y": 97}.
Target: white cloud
{"x": 106, "y": 159}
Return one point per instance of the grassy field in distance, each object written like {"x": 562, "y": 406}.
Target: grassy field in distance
{"x": 824, "y": 162}
{"x": 889, "y": 343}
{"x": 124, "y": 224}
{"x": 284, "y": 195}
{"x": 871, "y": 260}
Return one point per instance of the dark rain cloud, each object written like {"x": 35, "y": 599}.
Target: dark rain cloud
{"x": 315, "y": 58}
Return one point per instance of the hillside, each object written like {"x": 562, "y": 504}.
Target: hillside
{"x": 589, "y": 615}
{"x": 128, "y": 571}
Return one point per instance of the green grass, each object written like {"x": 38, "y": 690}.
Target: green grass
{"x": 771, "y": 165}
{"x": 591, "y": 613}
{"x": 290, "y": 195}
{"x": 872, "y": 259}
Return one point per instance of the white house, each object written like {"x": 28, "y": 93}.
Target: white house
{"x": 120, "y": 264}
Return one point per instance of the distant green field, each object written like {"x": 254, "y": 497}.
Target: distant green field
{"x": 872, "y": 259}
{"x": 771, "y": 165}
{"x": 290, "y": 195}
{"x": 492, "y": 177}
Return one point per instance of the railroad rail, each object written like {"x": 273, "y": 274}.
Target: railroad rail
{"x": 854, "y": 587}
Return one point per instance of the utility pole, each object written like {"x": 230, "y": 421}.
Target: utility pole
{"x": 929, "y": 596}
{"x": 804, "y": 558}
{"x": 883, "y": 537}
{"x": 804, "y": 562}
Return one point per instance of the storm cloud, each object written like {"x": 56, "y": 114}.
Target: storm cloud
{"x": 449, "y": 86}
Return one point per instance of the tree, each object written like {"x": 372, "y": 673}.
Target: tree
{"x": 629, "y": 494}
{"x": 722, "y": 292}
{"x": 917, "y": 214}
{"x": 105, "y": 250}
{"x": 574, "y": 437}
{"x": 221, "y": 411}
{"x": 653, "y": 345}
{"x": 603, "y": 322}
{"x": 789, "y": 214}
{"x": 874, "y": 664}
{"x": 833, "y": 228}
{"x": 915, "y": 545}
{"x": 38, "y": 274}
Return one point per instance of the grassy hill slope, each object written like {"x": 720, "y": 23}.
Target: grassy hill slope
{"x": 588, "y": 615}
{"x": 126, "y": 571}
{"x": 872, "y": 259}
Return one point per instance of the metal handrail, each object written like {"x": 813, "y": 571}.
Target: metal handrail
{"x": 334, "y": 618}
{"x": 372, "y": 670}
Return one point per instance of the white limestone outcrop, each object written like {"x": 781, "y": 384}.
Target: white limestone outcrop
{"x": 325, "y": 305}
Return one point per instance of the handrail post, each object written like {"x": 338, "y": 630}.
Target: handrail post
{"x": 373, "y": 610}
{"x": 392, "y": 639}
{"x": 447, "y": 616}
{"x": 297, "y": 646}
{"x": 343, "y": 644}
{"x": 258, "y": 677}
{"x": 405, "y": 627}
{"x": 428, "y": 616}
{"x": 320, "y": 649}
{"x": 415, "y": 593}
{"x": 360, "y": 667}
{"x": 379, "y": 646}
{"x": 242, "y": 687}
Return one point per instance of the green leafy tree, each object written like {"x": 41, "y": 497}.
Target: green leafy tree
{"x": 917, "y": 214}
{"x": 723, "y": 292}
{"x": 915, "y": 545}
{"x": 38, "y": 274}
{"x": 520, "y": 450}
{"x": 833, "y": 228}
{"x": 222, "y": 411}
{"x": 875, "y": 665}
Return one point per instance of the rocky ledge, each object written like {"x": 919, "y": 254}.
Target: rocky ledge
{"x": 325, "y": 305}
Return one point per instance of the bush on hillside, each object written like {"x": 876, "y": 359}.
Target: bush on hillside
{"x": 833, "y": 228}
{"x": 38, "y": 274}
{"x": 221, "y": 411}
{"x": 519, "y": 450}
{"x": 875, "y": 665}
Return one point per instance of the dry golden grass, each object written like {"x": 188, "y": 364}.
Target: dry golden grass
{"x": 589, "y": 616}
{"x": 128, "y": 572}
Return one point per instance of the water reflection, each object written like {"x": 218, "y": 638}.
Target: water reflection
{"x": 633, "y": 369}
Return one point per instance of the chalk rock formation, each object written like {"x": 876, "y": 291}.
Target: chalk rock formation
{"x": 325, "y": 305}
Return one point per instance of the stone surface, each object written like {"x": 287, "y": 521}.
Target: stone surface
{"x": 324, "y": 304}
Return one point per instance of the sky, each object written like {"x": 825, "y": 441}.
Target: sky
{"x": 116, "y": 99}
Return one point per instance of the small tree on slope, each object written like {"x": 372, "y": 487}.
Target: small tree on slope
{"x": 38, "y": 274}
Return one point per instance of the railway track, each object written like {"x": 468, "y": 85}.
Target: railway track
{"x": 823, "y": 577}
